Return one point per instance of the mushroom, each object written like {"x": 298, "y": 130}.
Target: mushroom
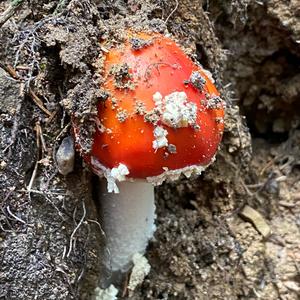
{"x": 162, "y": 117}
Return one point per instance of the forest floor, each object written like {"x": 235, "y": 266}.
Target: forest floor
{"x": 233, "y": 232}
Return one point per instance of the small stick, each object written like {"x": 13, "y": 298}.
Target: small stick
{"x": 10, "y": 11}
{"x": 39, "y": 102}
{"x": 12, "y": 72}
{"x": 76, "y": 228}
{"x": 14, "y": 216}
{"x": 172, "y": 12}
{"x": 38, "y": 144}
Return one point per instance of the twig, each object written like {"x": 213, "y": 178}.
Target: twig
{"x": 38, "y": 144}
{"x": 63, "y": 131}
{"x": 269, "y": 164}
{"x": 9, "y": 69}
{"x": 33, "y": 175}
{"x": 39, "y": 102}
{"x": 14, "y": 216}
{"x": 246, "y": 187}
{"x": 76, "y": 228}
{"x": 85, "y": 254}
{"x": 64, "y": 252}
{"x": 12, "y": 72}
{"x": 52, "y": 116}
{"x": 60, "y": 213}
{"x": 10, "y": 11}
{"x": 43, "y": 192}
{"x": 99, "y": 225}
{"x": 40, "y": 131}
{"x": 105, "y": 247}
{"x": 172, "y": 12}
{"x": 5, "y": 230}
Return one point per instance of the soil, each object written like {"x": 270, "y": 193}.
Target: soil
{"x": 232, "y": 233}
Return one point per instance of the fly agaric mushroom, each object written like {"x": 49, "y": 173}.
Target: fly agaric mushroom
{"x": 162, "y": 116}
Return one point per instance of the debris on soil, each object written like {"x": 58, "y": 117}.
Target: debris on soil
{"x": 251, "y": 215}
{"x": 140, "y": 270}
{"x": 108, "y": 294}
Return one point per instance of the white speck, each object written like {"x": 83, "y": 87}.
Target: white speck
{"x": 109, "y": 293}
{"x": 215, "y": 102}
{"x": 160, "y": 137}
{"x": 197, "y": 80}
{"x": 112, "y": 175}
{"x": 176, "y": 110}
{"x": 140, "y": 270}
{"x": 157, "y": 98}
{"x": 119, "y": 173}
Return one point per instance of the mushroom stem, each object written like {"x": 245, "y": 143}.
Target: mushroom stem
{"x": 128, "y": 221}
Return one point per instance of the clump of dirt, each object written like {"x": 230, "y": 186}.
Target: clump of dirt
{"x": 139, "y": 43}
{"x": 122, "y": 76}
{"x": 263, "y": 63}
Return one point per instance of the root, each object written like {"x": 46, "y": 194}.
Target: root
{"x": 72, "y": 239}
{"x": 172, "y": 12}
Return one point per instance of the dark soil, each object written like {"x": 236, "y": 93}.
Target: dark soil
{"x": 51, "y": 244}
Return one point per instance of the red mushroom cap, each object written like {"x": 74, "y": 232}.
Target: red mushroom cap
{"x": 162, "y": 110}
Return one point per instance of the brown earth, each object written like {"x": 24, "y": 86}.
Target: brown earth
{"x": 210, "y": 241}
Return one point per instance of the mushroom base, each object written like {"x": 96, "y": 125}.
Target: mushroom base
{"x": 127, "y": 219}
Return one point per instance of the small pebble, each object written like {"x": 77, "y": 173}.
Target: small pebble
{"x": 65, "y": 156}
{"x": 253, "y": 216}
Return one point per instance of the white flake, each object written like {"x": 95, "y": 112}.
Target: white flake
{"x": 109, "y": 293}
{"x": 160, "y": 137}
{"x": 157, "y": 98}
{"x": 176, "y": 111}
{"x": 112, "y": 175}
{"x": 140, "y": 270}
{"x": 171, "y": 175}
{"x": 118, "y": 173}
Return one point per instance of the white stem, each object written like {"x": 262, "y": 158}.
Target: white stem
{"x": 128, "y": 221}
